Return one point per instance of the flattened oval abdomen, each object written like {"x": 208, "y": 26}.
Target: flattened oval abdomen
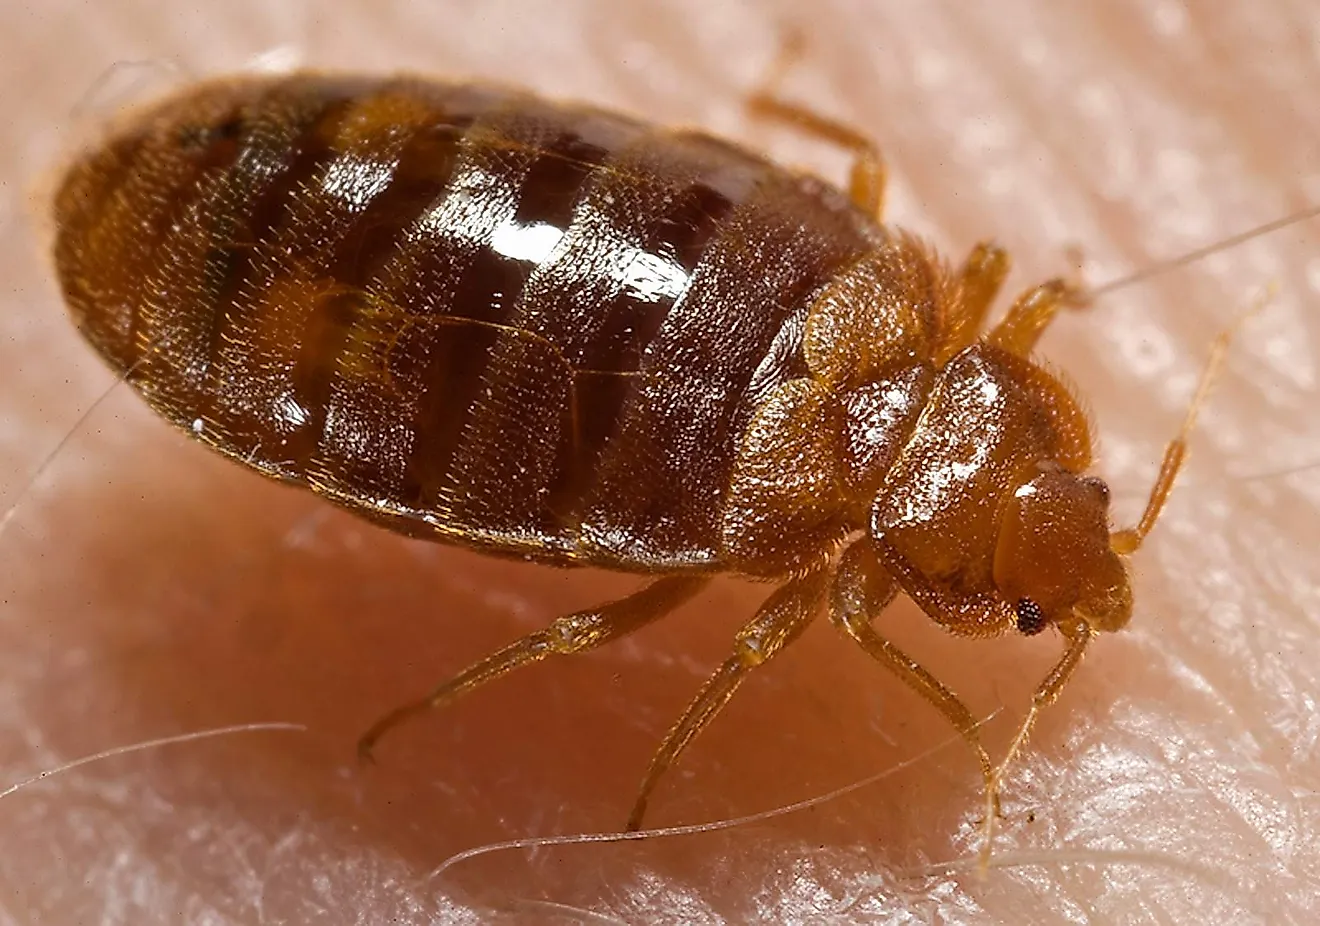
{"x": 461, "y": 311}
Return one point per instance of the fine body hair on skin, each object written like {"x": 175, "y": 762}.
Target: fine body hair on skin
{"x": 150, "y": 589}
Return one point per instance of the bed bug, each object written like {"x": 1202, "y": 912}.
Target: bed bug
{"x": 552, "y": 332}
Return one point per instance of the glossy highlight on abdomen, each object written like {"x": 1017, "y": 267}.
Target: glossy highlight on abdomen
{"x": 460, "y": 310}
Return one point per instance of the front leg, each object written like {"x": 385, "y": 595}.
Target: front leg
{"x": 862, "y": 589}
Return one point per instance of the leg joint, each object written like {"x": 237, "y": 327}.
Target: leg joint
{"x": 574, "y": 633}
{"x": 750, "y": 651}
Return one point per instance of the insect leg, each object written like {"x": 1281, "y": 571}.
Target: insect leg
{"x": 866, "y": 177}
{"x": 862, "y": 589}
{"x": 980, "y": 279}
{"x": 778, "y": 623}
{"x": 1031, "y": 314}
{"x": 1078, "y": 636}
{"x": 573, "y": 633}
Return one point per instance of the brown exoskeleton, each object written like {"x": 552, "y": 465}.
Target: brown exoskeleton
{"x": 548, "y": 331}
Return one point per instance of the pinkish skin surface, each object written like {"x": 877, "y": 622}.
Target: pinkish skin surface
{"x": 150, "y": 588}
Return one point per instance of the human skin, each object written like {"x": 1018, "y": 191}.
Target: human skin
{"x": 150, "y": 588}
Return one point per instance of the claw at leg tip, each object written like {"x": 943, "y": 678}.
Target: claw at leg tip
{"x": 366, "y": 751}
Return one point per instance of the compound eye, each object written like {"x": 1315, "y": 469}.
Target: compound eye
{"x": 1098, "y": 486}
{"x": 1030, "y": 618}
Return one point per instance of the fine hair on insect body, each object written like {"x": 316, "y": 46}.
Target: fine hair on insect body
{"x": 546, "y": 331}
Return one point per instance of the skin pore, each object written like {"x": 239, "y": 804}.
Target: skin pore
{"x": 152, "y": 588}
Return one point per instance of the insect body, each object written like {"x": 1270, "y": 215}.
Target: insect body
{"x": 557, "y": 333}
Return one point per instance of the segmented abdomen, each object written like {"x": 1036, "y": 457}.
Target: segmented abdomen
{"x": 530, "y": 327}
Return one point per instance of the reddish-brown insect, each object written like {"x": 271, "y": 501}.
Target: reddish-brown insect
{"x": 557, "y": 333}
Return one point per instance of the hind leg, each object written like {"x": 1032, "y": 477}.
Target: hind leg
{"x": 574, "y": 633}
{"x": 866, "y": 177}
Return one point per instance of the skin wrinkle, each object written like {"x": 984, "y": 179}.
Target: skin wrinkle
{"x": 169, "y": 571}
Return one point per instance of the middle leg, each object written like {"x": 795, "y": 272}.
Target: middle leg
{"x": 778, "y": 623}
{"x": 980, "y": 278}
